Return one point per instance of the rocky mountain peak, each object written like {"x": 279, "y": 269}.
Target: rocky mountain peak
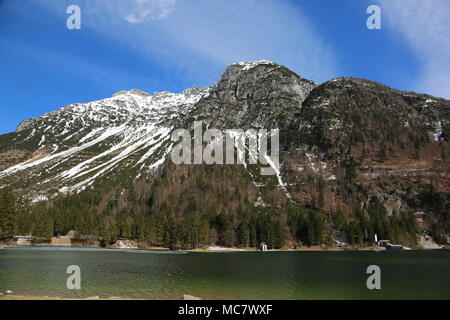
{"x": 254, "y": 94}
{"x": 260, "y": 79}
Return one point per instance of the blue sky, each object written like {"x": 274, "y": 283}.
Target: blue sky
{"x": 157, "y": 45}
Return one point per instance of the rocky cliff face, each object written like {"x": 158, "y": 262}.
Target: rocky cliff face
{"x": 343, "y": 143}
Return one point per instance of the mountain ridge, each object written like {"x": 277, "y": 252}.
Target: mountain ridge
{"x": 239, "y": 84}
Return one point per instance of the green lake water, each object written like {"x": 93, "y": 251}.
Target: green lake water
{"x": 227, "y": 275}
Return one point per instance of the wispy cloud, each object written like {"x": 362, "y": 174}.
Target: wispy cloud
{"x": 230, "y": 31}
{"x": 195, "y": 40}
{"x": 426, "y": 27}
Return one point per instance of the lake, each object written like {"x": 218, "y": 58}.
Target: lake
{"x": 41, "y": 271}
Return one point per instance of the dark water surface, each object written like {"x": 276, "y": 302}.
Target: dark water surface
{"x": 227, "y": 275}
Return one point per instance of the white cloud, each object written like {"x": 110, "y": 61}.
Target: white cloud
{"x": 138, "y": 11}
{"x": 426, "y": 27}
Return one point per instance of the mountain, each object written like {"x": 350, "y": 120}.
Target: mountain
{"x": 75, "y": 146}
{"x": 348, "y": 147}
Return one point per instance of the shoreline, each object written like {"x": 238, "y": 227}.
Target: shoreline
{"x": 221, "y": 249}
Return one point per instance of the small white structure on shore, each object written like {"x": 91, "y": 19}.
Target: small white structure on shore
{"x": 23, "y": 240}
{"x": 263, "y": 246}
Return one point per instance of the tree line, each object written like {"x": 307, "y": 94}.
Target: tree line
{"x": 245, "y": 226}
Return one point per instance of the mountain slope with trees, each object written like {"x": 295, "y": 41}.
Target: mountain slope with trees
{"x": 357, "y": 159}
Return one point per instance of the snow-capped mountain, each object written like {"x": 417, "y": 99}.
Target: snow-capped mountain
{"x": 70, "y": 148}
{"x": 326, "y": 131}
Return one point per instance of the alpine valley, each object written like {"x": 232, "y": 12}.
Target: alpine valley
{"x": 357, "y": 158}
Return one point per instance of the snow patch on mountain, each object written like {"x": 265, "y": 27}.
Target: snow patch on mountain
{"x": 250, "y": 65}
